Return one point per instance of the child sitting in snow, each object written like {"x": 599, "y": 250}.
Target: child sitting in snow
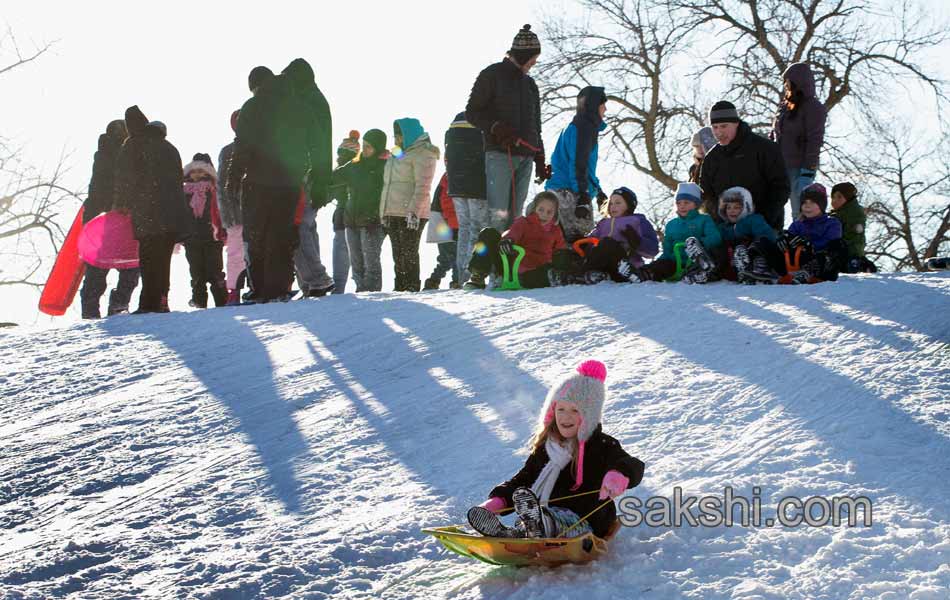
{"x": 741, "y": 227}
{"x": 570, "y": 455}
{"x": 538, "y": 233}
{"x": 695, "y": 231}
{"x": 620, "y": 234}
{"x": 203, "y": 248}
{"x": 847, "y": 209}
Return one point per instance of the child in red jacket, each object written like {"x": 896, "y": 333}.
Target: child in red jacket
{"x": 444, "y": 231}
{"x": 538, "y": 233}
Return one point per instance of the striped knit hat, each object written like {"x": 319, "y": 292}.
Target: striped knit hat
{"x": 525, "y": 45}
{"x": 586, "y": 390}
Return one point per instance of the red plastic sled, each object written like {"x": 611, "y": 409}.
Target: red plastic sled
{"x": 108, "y": 242}
{"x": 63, "y": 281}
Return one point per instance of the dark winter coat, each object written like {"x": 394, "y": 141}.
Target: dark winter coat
{"x": 801, "y": 132}
{"x": 503, "y": 93}
{"x": 820, "y": 230}
{"x": 364, "y": 184}
{"x": 602, "y": 453}
{"x": 853, "y": 221}
{"x": 752, "y": 162}
{"x": 102, "y": 184}
{"x": 276, "y": 137}
{"x": 538, "y": 240}
{"x": 148, "y": 180}
{"x": 318, "y": 114}
{"x": 465, "y": 159}
{"x": 229, "y": 205}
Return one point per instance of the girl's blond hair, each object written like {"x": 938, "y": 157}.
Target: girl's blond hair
{"x": 540, "y": 437}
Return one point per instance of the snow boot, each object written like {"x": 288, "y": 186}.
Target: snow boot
{"x": 630, "y": 273}
{"x": 528, "y": 508}
{"x": 319, "y": 292}
{"x": 740, "y": 258}
{"x": 488, "y": 524}
{"x": 699, "y": 255}
{"x": 695, "y": 275}
{"x": 234, "y": 297}
{"x": 431, "y": 284}
{"x": 219, "y": 292}
{"x": 455, "y": 285}
{"x": 475, "y": 282}
{"x": 760, "y": 272}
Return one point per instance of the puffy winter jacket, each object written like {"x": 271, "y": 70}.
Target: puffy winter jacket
{"x": 820, "y": 230}
{"x": 802, "y": 132}
{"x": 363, "y": 180}
{"x": 613, "y": 228}
{"x": 148, "y": 180}
{"x": 442, "y": 203}
{"x": 465, "y": 159}
{"x": 749, "y": 226}
{"x": 694, "y": 224}
{"x": 602, "y": 453}
{"x": 752, "y": 162}
{"x": 229, "y": 205}
{"x": 853, "y": 221}
{"x": 102, "y": 184}
{"x": 538, "y": 240}
{"x": 407, "y": 179}
{"x": 503, "y": 93}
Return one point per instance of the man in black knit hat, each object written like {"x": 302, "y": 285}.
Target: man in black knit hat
{"x": 506, "y": 105}
{"x": 746, "y": 159}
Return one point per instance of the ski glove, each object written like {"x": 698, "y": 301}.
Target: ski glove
{"x": 633, "y": 238}
{"x": 615, "y": 483}
{"x": 601, "y": 198}
{"x": 503, "y": 134}
{"x": 494, "y": 504}
{"x": 542, "y": 172}
{"x": 507, "y": 247}
{"x": 583, "y": 208}
{"x": 412, "y": 222}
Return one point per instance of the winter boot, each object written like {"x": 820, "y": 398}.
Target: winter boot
{"x": 631, "y": 273}
{"x": 219, "y": 292}
{"x": 760, "y": 272}
{"x": 699, "y": 255}
{"x": 319, "y": 292}
{"x": 528, "y": 508}
{"x": 199, "y": 295}
{"x": 476, "y": 281}
{"x": 455, "y": 285}
{"x": 431, "y": 284}
{"x": 740, "y": 258}
{"x": 163, "y": 304}
{"x": 594, "y": 277}
{"x": 558, "y": 278}
{"x": 488, "y": 524}
{"x": 234, "y": 297}
{"x": 695, "y": 274}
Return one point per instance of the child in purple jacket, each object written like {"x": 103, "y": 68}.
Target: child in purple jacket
{"x": 813, "y": 246}
{"x": 620, "y": 234}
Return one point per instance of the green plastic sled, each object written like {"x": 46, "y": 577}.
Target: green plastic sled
{"x": 509, "y": 281}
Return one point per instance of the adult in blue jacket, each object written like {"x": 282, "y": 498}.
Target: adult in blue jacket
{"x": 574, "y": 164}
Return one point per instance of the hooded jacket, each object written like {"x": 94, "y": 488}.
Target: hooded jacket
{"x": 465, "y": 159}
{"x": 363, "y": 179}
{"x": 749, "y": 227}
{"x": 318, "y": 115}
{"x": 602, "y": 453}
{"x": 539, "y": 240}
{"x": 407, "y": 178}
{"x": 694, "y": 224}
{"x": 613, "y": 227}
{"x": 102, "y": 184}
{"x": 752, "y": 162}
{"x": 148, "y": 181}
{"x": 820, "y": 230}
{"x": 853, "y": 221}
{"x": 504, "y": 93}
{"x": 800, "y": 133}
{"x": 574, "y": 162}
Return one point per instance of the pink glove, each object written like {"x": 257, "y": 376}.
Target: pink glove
{"x": 494, "y": 504}
{"x": 615, "y": 483}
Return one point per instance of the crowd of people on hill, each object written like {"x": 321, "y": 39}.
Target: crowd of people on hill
{"x": 259, "y": 207}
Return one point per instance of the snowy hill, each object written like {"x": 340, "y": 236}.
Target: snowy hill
{"x": 296, "y": 450}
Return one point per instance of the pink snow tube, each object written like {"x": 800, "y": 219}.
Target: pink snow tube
{"x": 107, "y": 242}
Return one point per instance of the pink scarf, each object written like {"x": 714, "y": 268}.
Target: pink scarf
{"x": 198, "y": 190}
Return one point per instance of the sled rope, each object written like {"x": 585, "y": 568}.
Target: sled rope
{"x": 505, "y": 511}
{"x": 587, "y": 516}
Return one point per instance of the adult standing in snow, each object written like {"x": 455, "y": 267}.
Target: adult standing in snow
{"x": 273, "y": 151}
{"x": 574, "y": 165}
{"x": 506, "y": 105}
{"x": 148, "y": 184}
{"x": 407, "y": 185}
{"x": 100, "y": 200}
{"x": 746, "y": 159}
{"x": 799, "y": 129}
{"x": 312, "y": 276}
{"x": 229, "y": 207}
{"x": 465, "y": 166}
{"x": 346, "y": 152}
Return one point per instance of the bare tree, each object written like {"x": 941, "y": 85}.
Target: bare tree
{"x": 31, "y": 200}
{"x": 905, "y": 184}
{"x": 658, "y": 60}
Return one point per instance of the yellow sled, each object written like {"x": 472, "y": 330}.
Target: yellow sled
{"x": 523, "y": 552}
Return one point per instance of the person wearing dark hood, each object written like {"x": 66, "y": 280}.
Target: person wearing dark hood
{"x": 506, "y": 105}
{"x": 574, "y": 165}
{"x": 799, "y": 129}
{"x": 745, "y": 159}
{"x": 701, "y": 143}
{"x": 273, "y": 151}
{"x": 312, "y": 276}
{"x": 99, "y": 200}
{"x": 149, "y": 186}
{"x": 229, "y": 207}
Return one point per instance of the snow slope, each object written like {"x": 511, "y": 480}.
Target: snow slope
{"x": 296, "y": 450}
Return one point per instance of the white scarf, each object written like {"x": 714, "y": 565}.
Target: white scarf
{"x": 558, "y": 458}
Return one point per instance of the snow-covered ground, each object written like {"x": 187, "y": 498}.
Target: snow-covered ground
{"x": 296, "y": 450}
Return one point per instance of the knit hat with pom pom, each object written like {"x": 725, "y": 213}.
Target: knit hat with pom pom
{"x": 587, "y": 391}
